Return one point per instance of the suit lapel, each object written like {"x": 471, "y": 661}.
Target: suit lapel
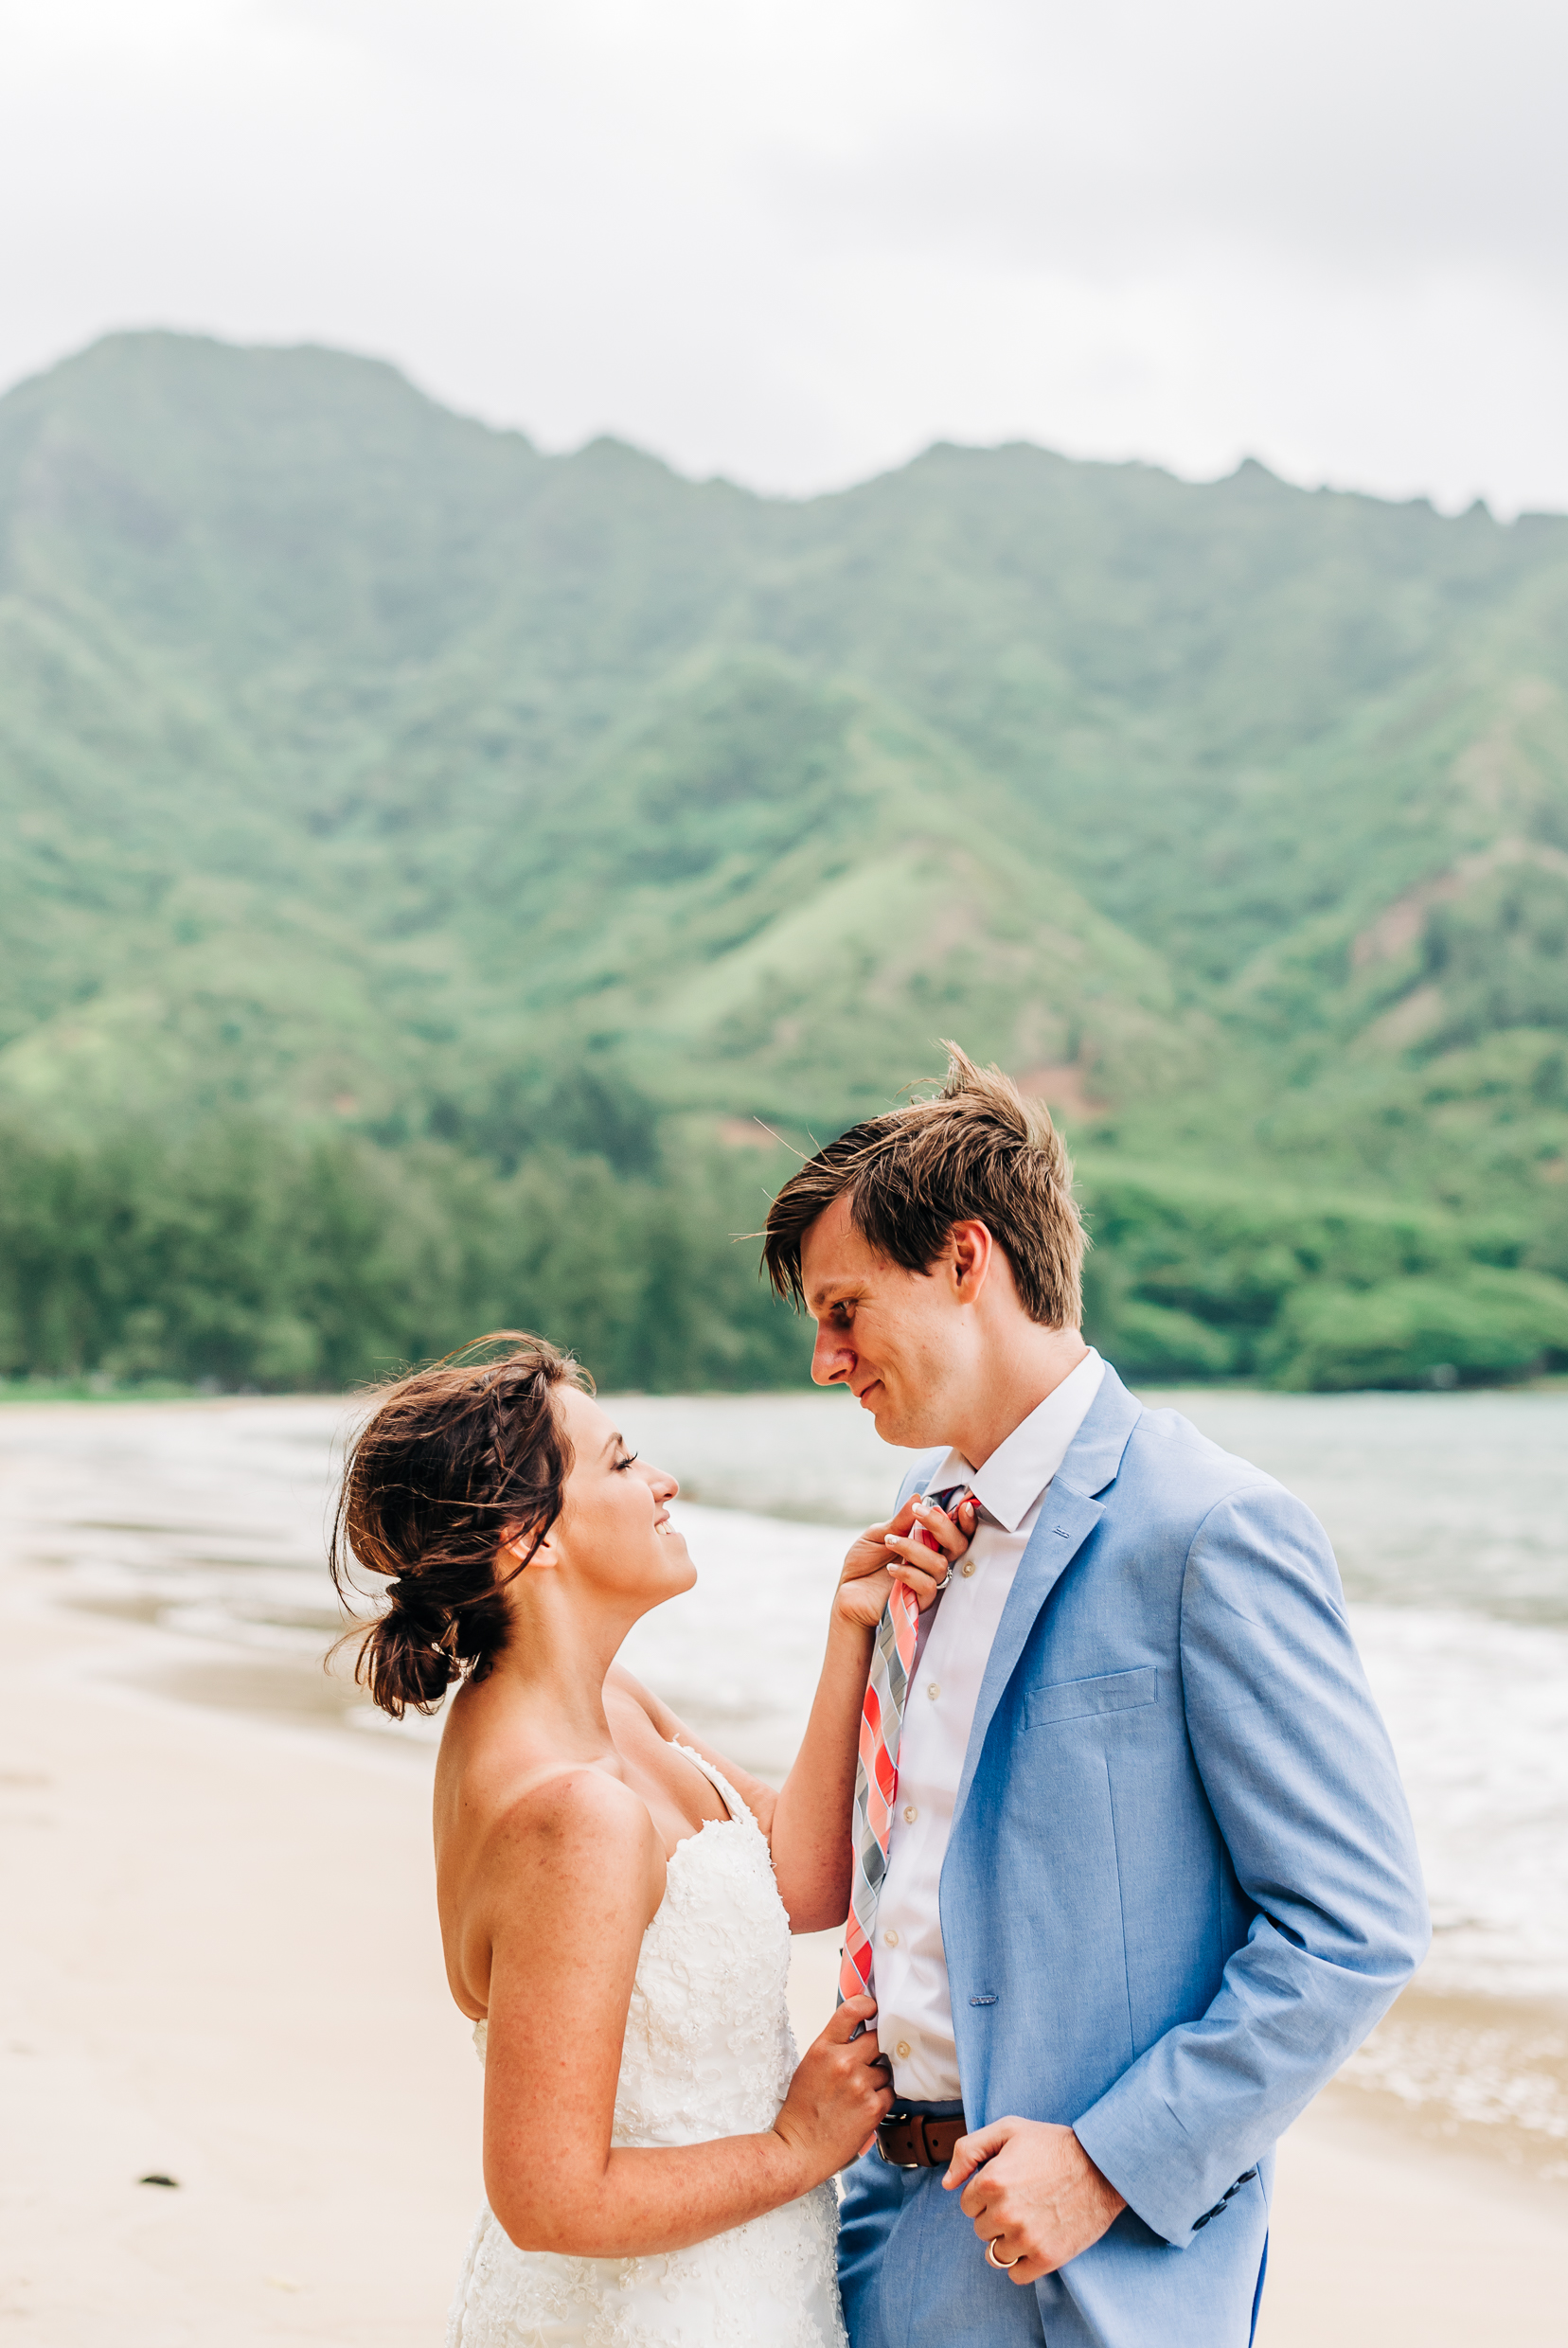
{"x": 1068, "y": 1514}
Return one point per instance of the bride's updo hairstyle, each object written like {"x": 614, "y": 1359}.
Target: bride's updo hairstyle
{"x": 451, "y": 1460}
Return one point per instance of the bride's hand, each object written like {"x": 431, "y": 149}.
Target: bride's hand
{"x": 901, "y": 1551}
{"x": 837, "y": 2096}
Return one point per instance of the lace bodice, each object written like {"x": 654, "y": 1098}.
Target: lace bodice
{"x": 709, "y": 2052}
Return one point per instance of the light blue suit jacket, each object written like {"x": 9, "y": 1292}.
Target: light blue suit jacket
{"x": 1182, "y": 1883}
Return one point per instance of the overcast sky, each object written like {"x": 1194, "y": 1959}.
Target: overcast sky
{"x": 795, "y": 240}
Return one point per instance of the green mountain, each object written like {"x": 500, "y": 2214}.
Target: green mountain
{"x": 409, "y": 827}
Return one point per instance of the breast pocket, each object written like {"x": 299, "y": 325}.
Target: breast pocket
{"x": 1074, "y": 1699}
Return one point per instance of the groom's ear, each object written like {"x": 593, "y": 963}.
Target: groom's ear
{"x": 969, "y": 1252}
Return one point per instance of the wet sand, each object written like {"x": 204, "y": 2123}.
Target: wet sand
{"x": 222, "y": 1966}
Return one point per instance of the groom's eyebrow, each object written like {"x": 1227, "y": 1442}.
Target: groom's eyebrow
{"x": 831, "y": 1293}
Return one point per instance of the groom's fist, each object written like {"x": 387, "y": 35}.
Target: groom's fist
{"x": 1033, "y": 2190}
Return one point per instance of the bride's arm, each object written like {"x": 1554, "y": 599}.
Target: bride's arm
{"x": 809, "y": 1821}
{"x": 812, "y": 1833}
{"x": 573, "y": 1878}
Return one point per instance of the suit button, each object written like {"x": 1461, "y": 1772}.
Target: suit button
{"x": 890, "y": 1938}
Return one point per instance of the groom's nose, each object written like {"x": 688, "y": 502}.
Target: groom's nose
{"x": 832, "y": 1356}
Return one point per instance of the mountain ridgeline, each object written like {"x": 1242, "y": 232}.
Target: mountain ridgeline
{"x": 445, "y": 882}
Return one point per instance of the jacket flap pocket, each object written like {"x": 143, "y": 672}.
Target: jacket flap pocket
{"x": 1071, "y": 1699}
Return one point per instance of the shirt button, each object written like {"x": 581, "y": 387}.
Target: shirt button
{"x": 891, "y": 1937}
{"x": 911, "y": 1813}
{"x": 967, "y": 1568}
{"x": 933, "y": 1690}
{"x": 901, "y": 2049}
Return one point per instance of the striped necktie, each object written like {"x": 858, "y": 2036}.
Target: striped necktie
{"x": 877, "y": 1770}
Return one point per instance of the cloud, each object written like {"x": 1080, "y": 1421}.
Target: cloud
{"x": 795, "y": 242}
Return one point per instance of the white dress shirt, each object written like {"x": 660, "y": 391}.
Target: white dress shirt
{"x": 909, "y": 1976}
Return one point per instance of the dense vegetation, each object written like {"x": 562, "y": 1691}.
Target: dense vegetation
{"x": 243, "y": 1256}
{"x": 429, "y": 858}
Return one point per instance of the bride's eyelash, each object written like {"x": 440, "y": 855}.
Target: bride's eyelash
{"x": 626, "y": 1462}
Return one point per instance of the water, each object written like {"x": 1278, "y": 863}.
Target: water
{"x": 200, "y": 1527}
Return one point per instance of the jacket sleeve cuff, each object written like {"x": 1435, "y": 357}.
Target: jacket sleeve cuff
{"x": 1138, "y": 2144}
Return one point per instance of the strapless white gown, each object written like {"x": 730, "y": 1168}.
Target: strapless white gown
{"x": 708, "y": 2052}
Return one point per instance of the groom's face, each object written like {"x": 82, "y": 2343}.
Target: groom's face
{"x": 898, "y": 1340}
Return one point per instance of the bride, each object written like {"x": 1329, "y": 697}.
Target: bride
{"x": 615, "y": 1899}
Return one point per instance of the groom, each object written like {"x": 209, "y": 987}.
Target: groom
{"x": 1149, "y": 1874}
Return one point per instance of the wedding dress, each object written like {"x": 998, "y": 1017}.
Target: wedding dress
{"x": 709, "y": 2052}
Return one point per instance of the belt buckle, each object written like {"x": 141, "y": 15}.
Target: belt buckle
{"x": 897, "y": 2119}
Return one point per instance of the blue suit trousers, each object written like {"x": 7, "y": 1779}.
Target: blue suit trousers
{"x": 912, "y": 2273}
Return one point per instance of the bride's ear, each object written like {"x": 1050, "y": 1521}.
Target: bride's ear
{"x": 521, "y": 1549}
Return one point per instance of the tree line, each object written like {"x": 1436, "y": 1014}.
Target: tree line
{"x": 240, "y": 1255}
{"x": 237, "y": 1254}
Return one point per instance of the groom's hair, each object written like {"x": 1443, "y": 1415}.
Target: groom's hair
{"x": 978, "y": 1152}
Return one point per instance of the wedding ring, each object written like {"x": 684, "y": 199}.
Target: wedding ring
{"x": 991, "y": 2259}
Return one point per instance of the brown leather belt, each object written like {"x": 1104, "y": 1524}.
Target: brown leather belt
{"x": 908, "y": 2140}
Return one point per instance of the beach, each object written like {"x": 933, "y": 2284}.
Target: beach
{"x": 222, "y": 1965}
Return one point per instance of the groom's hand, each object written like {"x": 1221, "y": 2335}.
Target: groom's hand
{"x": 1033, "y": 2190}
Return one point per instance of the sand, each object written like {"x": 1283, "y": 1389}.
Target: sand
{"x": 221, "y": 1965}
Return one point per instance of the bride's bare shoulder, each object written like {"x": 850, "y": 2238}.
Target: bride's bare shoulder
{"x": 553, "y": 1804}
{"x": 500, "y": 1790}
{"x": 569, "y": 1803}
{"x": 525, "y": 1849}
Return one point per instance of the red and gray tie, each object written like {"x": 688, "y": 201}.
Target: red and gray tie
{"x": 876, "y": 1772}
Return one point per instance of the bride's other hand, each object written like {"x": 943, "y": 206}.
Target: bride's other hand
{"x": 837, "y": 2096}
{"x": 901, "y": 1551}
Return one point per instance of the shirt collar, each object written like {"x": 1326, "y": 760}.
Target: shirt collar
{"x": 1018, "y": 1470}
